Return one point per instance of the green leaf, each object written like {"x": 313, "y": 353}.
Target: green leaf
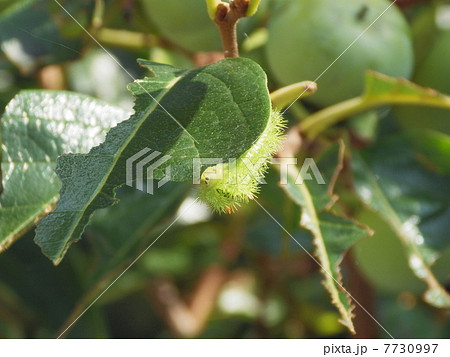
{"x": 380, "y": 90}
{"x": 36, "y": 128}
{"x": 122, "y": 231}
{"x": 414, "y": 201}
{"x": 333, "y": 235}
{"x": 434, "y": 148}
{"x": 39, "y": 297}
{"x": 36, "y": 32}
{"x": 119, "y": 234}
{"x": 217, "y": 111}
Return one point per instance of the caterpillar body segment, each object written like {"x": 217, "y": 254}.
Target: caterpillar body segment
{"x": 225, "y": 186}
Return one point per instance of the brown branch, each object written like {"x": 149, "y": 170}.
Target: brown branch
{"x": 205, "y": 294}
{"x": 362, "y": 292}
{"x": 52, "y": 77}
{"x": 227, "y": 16}
{"x": 188, "y": 319}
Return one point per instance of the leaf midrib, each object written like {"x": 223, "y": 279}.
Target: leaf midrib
{"x": 156, "y": 101}
{"x": 319, "y": 241}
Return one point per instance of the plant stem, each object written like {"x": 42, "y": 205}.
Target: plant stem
{"x": 313, "y": 125}
{"x": 283, "y": 97}
{"x": 99, "y": 10}
{"x": 363, "y": 292}
{"x": 227, "y": 16}
{"x": 126, "y": 39}
{"x": 316, "y": 123}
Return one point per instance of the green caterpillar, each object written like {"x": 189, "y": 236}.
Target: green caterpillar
{"x": 225, "y": 186}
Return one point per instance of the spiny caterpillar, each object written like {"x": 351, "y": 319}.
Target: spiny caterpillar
{"x": 225, "y": 186}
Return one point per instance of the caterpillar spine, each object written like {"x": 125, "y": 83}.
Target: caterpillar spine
{"x": 225, "y": 186}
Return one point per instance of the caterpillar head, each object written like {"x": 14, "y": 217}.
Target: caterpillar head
{"x": 215, "y": 191}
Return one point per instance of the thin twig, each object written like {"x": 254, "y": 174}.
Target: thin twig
{"x": 188, "y": 319}
{"x": 227, "y": 16}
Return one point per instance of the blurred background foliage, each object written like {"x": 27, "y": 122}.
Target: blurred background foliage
{"x": 240, "y": 275}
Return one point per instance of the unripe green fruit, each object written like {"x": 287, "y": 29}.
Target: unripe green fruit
{"x": 434, "y": 73}
{"x": 424, "y": 31}
{"x": 382, "y": 258}
{"x": 306, "y": 36}
{"x": 185, "y": 23}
